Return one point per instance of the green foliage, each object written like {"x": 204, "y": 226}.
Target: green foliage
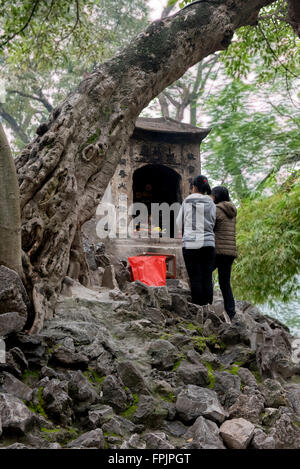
{"x": 176, "y": 365}
{"x": 268, "y": 238}
{"x": 64, "y": 41}
{"x": 194, "y": 327}
{"x": 39, "y": 407}
{"x": 211, "y": 376}
{"x": 272, "y": 39}
{"x": 30, "y": 376}
{"x": 93, "y": 377}
{"x": 61, "y": 33}
{"x": 201, "y": 342}
{"x": 130, "y": 411}
{"x": 168, "y": 398}
{"x": 234, "y": 370}
{"x": 249, "y": 138}
{"x": 48, "y": 430}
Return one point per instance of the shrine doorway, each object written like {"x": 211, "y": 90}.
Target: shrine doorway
{"x": 155, "y": 183}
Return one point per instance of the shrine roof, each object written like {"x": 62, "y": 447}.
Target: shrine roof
{"x": 170, "y": 126}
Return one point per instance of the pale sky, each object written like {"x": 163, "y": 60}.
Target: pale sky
{"x": 156, "y": 7}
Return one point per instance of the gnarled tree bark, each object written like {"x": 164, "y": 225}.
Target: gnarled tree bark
{"x": 63, "y": 173}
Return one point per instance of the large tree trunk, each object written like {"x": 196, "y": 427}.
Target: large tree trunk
{"x": 10, "y": 216}
{"x": 294, "y": 15}
{"x": 63, "y": 173}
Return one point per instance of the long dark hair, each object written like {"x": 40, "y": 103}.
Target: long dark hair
{"x": 201, "y": 184}
{"x": 220, "y": 194}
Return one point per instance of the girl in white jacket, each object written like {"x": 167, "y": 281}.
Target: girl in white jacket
{"x": 197, "y": 218}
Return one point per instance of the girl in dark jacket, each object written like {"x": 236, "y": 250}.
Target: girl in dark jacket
{"x": 225, "y": 241}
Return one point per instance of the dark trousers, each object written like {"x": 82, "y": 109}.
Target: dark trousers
{"x": 224, "y": 264}
{"x": 199, "y": 265}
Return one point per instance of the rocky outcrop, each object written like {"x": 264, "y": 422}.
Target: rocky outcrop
{"x": 204, "y": 434}
{"x": 237, "y": 433}
{"x": 14, "y": 302}
{"x": 194, "y": 401}
{"x": 143, "y": 368}
{"x": 16, "y": 418}
{"x": 93, "y": 439}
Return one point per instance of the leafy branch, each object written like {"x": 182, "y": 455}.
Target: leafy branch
{"x": 31, "y": 15}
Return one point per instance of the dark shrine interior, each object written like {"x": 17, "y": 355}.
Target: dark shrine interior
{"x": 154, "y": 183}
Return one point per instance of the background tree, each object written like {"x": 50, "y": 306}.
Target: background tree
{"x": 269, "y": 245}
{"x": 249, "y": 99}
{"x": 251, "y": 137}
{"x": 62, "y": 42}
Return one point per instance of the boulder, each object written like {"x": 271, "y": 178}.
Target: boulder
{"x": 143, "y": 296}
{"x": 11, "y": 322}
{"x": 227, "y": 386}
{"x": 190, "y": 373}
{"x": 11, "y": 385}
{"x": 17, "y": 446}
{"x": 170, "y": 408}
{"x": 195, "y": 401}
{"x": 262, "y": 441}
{"x": 286, "y": 431}
{"x": 134, "y": 442}
{"x": 246, "y": 377}
{"x": 57, "y": 403}
{"x": 157, "y": 440}
{"x": 237, "y": 433}
{"x": 274, "y": 393}
{"x": 238, "y": 354}
{"x": 132, "y": 377}
{"x": 46, "y": 371}
{"x": 98, "y": 415}
{"x": 92, "y": 439}
{"x": 175, "y": 428}
{"x": 180, "y": 306}
{"x": 65, "y": 357}
{"x": 269, "y": 416}
{"x": 13, "y": 296}
{"x": 114, "y": 393}
{"x": 81, "y": 390}
{"x": 163, "y": 354}
{"x": 274, "y": 353}
{"x": 155, "y": 316}
{"x": 234, "y": 333}
{"x": 212, "y": 318}
{"x": 105, "y": 365}
{"x": 205, "y": 434}
{"x": 15, "y": 362}
{"x": 295, "y": 357}
{"x": 122, "y": 274}
{"x": 109, "y": 278}
{"x": 16, "y": 417}
{"x": 34, "y": 347}
{"x": 119, "y": 426}
{"x": 293, "y": 396}
{"x": 196, "y": 313}
{"x": 249, "y": 405}
{"x": 150, "y": 412}
{"x": 163, "y": 388}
